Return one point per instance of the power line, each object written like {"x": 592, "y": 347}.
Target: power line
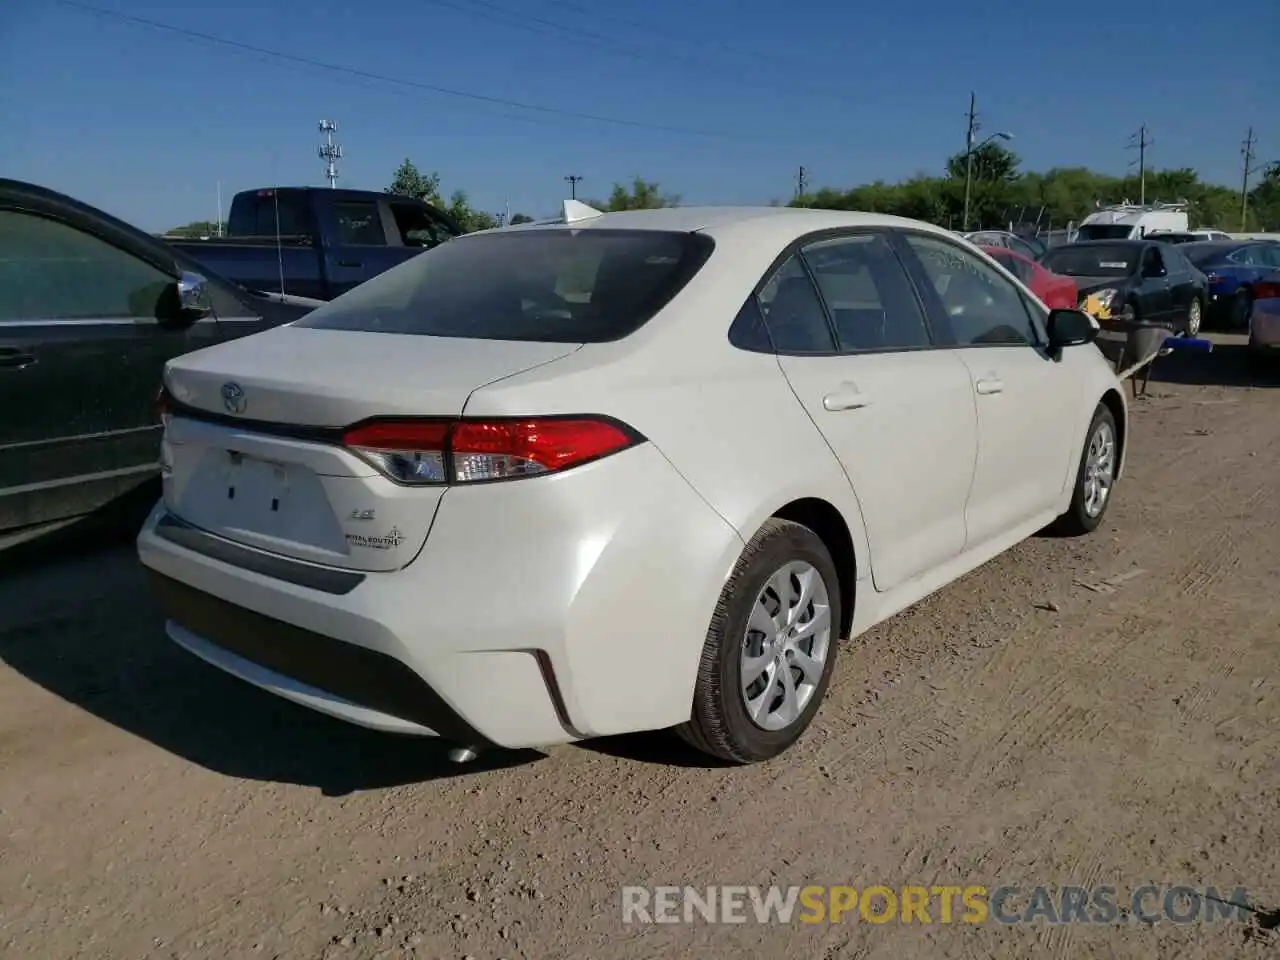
{"x": 669, "y": 34}
{"x": 383, "y": 78}
{"x": 1246, "y": 151}
{"x": 535, "y": 24}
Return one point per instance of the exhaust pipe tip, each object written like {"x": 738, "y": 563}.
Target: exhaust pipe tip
{"x": 463, "y": 754}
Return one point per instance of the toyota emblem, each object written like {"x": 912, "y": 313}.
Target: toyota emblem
{"x": 233, "y": 398}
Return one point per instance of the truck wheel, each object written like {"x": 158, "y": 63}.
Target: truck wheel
{"x": 770, "y": 649}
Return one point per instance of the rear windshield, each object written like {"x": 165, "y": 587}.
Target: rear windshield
{"x": 1102, "y": 260}
{"x": 1175, "y": 237}
{"x": 269, "y": 213}
{"x": 1104, "y": 231}
{"x": 558, "y": 286}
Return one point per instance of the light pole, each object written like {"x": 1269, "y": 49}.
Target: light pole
{"x": 970, "y": 150}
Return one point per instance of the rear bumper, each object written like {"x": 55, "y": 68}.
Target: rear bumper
{"x": 538, "y": 612}
{"x": 1264, "y": 324}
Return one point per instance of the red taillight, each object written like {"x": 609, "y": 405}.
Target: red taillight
{"x": 462, "y": 451}
{"x": 1266, "y": 290}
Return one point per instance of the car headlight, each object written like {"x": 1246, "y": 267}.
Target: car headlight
{"x": 1107, "y": 297}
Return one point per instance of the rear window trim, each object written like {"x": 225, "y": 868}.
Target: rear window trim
{"x": 698, "y": 250}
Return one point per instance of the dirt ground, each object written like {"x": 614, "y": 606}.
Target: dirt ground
{"x": 1017, "y": 728}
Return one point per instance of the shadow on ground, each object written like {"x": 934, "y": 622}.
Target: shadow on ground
{"x": 79, "y": 622}
{"x": 1229, "y": 365}
{"x": 662, "y": 747}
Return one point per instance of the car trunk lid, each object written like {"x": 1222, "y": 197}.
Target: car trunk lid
{"x": 253, "y": 452}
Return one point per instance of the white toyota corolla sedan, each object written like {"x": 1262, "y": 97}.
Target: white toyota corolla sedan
{"x": 619, "y": 472}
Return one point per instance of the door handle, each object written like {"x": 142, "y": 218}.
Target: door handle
{"x": 988, "y": 386}
{"x": 848, "y": 399}
{"x": 15, "y": 358}
{"x": 350, "y": 263}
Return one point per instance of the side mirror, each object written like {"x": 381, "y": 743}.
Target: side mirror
{"x": 193, "y": 295}
{"x": 1071, "y": 328}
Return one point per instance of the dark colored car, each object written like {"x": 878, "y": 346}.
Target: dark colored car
{"x": 90, "y": 311}
{"x": 317, "y": 242}
{"x": 1234, "y": 267}
{"x": 1149, "y": 280}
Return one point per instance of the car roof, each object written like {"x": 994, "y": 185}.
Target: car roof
{"x": 1117, "y": 242}
{"x": 782, "y": 224}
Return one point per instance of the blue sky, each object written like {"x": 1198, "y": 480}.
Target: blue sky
{"x": 145, "y": 123}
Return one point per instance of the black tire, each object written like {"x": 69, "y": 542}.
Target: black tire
{"x": 1241, "y": 308}
{"x": 719, "y": 724}
{"x": 1077, "y": 521}
{"x": 1195, "y": 323}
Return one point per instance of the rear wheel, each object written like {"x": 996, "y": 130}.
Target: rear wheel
{"x": 1241, "y": 310}
{"x": 1095, "y": 478}
{"x": 770, "y": 649}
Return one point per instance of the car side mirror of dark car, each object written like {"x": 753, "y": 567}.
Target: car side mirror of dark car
{"x": 193, "y": 295}
{"x": 1070, "y": 328}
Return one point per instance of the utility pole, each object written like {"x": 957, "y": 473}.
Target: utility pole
{"x": 1140, "y": 142}
{"x": 218, "y": 222}
{"x": 968, "y": 157}
{"x": 802, "y": 181}
{"x": 1246, "y": 151}
{"x": 573, "y": 180}
{"x": 330, "y": 152}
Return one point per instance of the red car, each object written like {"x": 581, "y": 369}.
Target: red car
{"x": 1056, "y": 291}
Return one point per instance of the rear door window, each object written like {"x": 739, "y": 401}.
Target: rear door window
{"x": 359, "y": 224}
{"x": 868, "y": 294}
{"x": 551, "y": 285}
{"x": 793, "y": 312}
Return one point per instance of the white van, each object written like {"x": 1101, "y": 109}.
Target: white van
{"x": 1129, "y": 221}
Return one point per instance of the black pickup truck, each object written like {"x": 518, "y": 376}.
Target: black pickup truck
{"x": 318, "y": 242}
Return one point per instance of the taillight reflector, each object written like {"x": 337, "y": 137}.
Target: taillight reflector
{"x": 1267, "y": 290}
{"x": 464, "y": 451}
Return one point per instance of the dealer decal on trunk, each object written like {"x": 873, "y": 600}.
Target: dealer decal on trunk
{"x": 388, "y": 541}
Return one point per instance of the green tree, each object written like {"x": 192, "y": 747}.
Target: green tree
{"x": 469, "y": 218}
{"x": 1002, "y": 193}
{"x": 642, "y": 195}
{"x": 521, "y": 218}
{"x": 409, "y": 181}
{"x": 196, "y": 229}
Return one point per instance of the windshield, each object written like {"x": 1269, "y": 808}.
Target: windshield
{"x": 1103, "y": 260}
{"x": 558, "y": 286}
{"x": 1175, "y": 237}
{"x": 1104, "y": 231}
{"x": 1207, "y": 252}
